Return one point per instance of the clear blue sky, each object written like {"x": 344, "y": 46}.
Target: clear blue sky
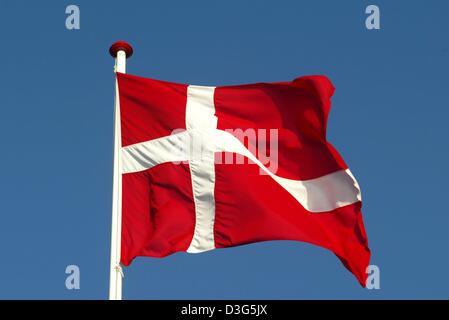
{"x": 389, "y": 121}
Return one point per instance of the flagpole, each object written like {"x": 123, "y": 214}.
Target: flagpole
{"x": 120, "y": 50}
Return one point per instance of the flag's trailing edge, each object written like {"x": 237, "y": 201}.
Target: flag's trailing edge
{"x": 176, "y": 201}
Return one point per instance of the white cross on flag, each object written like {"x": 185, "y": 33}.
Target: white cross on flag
{"x": 215, "y": 167}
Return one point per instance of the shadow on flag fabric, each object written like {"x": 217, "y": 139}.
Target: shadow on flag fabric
{"x": 216, "y": 167}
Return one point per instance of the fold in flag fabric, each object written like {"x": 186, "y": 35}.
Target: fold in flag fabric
{"x": 216, "y": 167}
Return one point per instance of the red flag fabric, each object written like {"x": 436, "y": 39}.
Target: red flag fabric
{"x": 215, "y": 167}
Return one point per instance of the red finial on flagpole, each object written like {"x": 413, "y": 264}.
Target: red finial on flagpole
{"x": 121, "y": 45}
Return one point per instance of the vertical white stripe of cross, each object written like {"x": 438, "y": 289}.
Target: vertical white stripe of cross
{"x": 200, "y": 114}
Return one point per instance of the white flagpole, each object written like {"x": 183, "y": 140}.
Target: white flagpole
{"x": 120, "y": 51}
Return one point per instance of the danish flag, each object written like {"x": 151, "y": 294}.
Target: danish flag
{"x": 178, "y": 194}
